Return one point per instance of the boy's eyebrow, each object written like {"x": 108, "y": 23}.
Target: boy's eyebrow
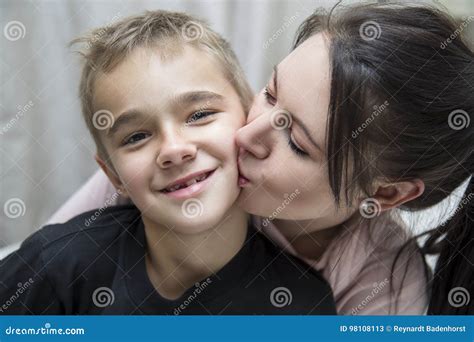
{"x": 125, "y": 118}
{"x": 197, "y": 96}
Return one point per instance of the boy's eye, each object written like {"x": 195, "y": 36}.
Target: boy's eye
{"x": 269, "y": 97}
{"x": 134, "y": 138}
{"x": 199, "y": 116}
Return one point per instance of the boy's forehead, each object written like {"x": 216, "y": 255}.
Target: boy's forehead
{"x": 156, "y": 61}
{"x": 145, "y": 75}
{"x": 146, "y": 86}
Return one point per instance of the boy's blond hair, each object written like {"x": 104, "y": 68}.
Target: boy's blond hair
{"x": 107, "y": 46}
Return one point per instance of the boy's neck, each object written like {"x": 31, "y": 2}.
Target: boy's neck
{"x": 176, "y": 261}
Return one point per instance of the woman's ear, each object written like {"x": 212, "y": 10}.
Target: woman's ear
{"x": 393, "y": 195}
{"x": 112, "y": 175}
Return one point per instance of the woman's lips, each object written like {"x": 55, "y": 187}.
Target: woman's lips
{"x": 242, "y": 181}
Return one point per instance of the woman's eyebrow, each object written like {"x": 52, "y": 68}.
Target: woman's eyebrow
{"x": 275, "y": 79}
{"x": 294, "y": 118}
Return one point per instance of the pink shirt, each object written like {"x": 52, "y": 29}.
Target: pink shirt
{"x": 356, "y": 264}
{"x": 358, "y": 268}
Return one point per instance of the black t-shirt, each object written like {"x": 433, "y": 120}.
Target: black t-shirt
{"x": 99, "y": 268}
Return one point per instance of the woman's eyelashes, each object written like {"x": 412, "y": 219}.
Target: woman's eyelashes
{"x": 269, "y": 97}
{"x": 294, "y": 146}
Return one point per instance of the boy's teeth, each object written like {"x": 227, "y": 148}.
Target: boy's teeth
{"x": 191, "y": 182}
{"x": 188, "y": 183}
{"x": 200, "y": 178}
{"x": 174, "y": 188}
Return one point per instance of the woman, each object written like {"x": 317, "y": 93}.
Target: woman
{"x": 362, "y": 118}
{"x": 374, "y": 99}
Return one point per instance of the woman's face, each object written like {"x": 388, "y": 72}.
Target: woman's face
{"x": 282, "y": 152}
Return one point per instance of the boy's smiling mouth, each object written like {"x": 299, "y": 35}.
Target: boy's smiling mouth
{"x": 189, "y": 185}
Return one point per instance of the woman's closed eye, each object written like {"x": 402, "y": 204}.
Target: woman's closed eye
{"x": 295, "y": 147}
{"x": 291, "y": 142}
{"x": 269, "y": 97}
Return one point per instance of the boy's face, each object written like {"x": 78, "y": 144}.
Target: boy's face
{"x": 172, "y": 139}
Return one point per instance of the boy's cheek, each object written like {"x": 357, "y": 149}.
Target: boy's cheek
{"x": 133, "y": 173}
{"x": 223, "y": 139}
{"x": 242, "y": 120}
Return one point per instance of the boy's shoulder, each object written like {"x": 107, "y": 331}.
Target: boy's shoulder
{"x": 65, "y": 263}
{"x": 84, "y": 236}
{"x": 101, "y": 222}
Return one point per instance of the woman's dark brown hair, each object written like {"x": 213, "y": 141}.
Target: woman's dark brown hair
{"x": 401, "y": 104}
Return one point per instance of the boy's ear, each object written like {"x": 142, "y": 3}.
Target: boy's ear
{"x": 112, "y": 175}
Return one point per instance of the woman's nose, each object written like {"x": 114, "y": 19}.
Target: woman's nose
{"x": 253, "y": 137}
{"x": 175, "y": 151}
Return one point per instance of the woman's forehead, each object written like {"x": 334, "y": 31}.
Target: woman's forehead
{"x": 304, "y": 81}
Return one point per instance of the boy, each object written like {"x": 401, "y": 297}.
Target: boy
{"x": 162, "y": 95}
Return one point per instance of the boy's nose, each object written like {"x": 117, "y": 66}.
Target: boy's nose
{"x": 253, "y": 137}
{"x": 175, "y": 152}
